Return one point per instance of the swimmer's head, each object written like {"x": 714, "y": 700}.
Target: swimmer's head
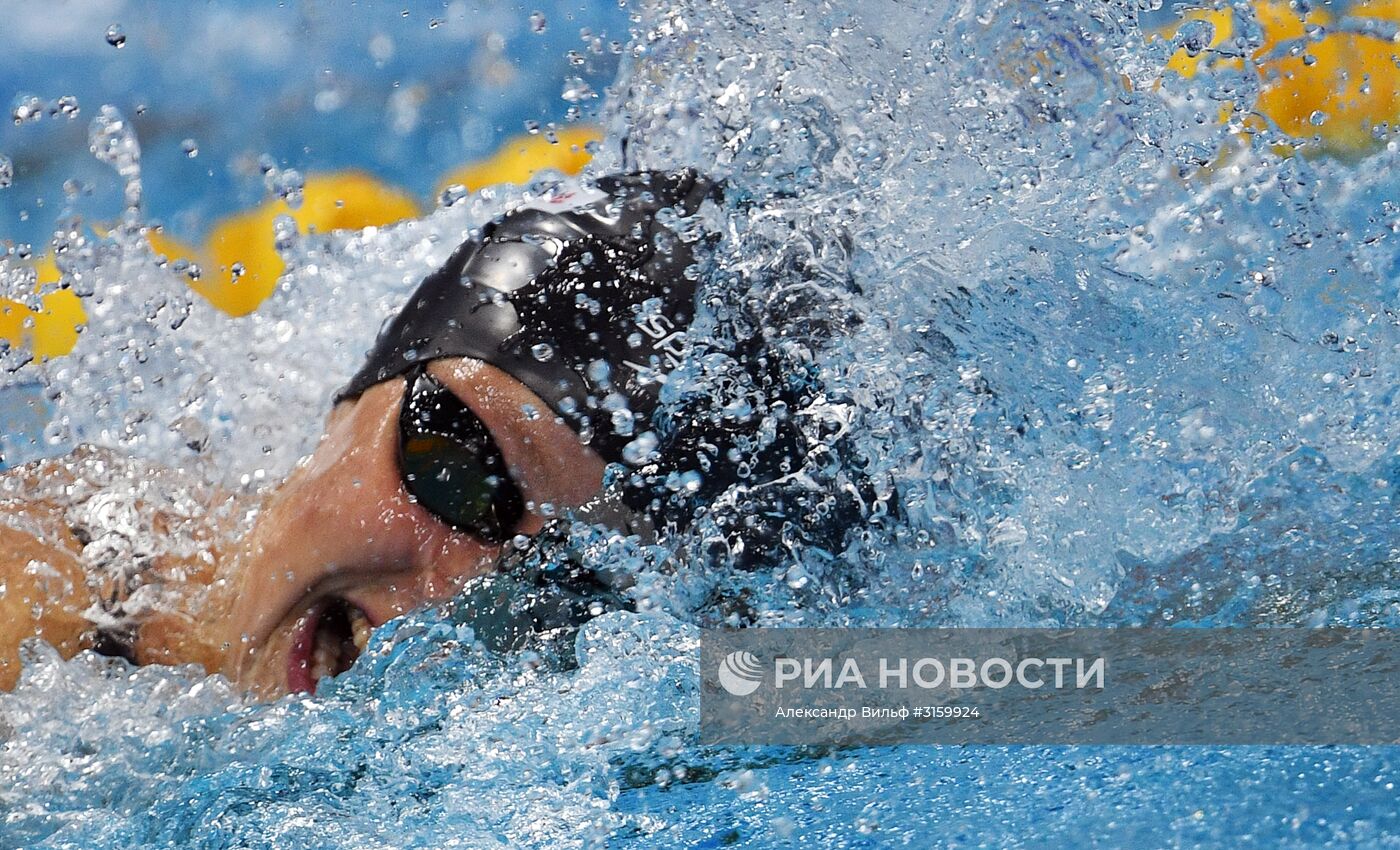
{"x": 489, "y": 405}
{"x": 582, "y": 295}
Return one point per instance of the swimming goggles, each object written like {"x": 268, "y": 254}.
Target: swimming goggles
{"x": 452, "y": 467}
{"x": 450, "y": 464}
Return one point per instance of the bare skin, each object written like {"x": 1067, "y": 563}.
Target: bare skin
{"x": 44, "y": 596}
{"x": 48, "y": 590}
{"x": 340, "y": 532}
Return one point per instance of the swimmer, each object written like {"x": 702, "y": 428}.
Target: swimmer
{"x": 489, "y": 407}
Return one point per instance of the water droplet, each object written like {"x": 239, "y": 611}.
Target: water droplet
{"x": 290, "y": 187}
{"x": 599, "y": 372}
{"x": 287, "y": 184}
{"x": 116, "y": 36}
{"x": 452, "y": 194}
{"x": 190, "y": 148}
{"x": 577, "y": 89}
{"x": 7, "y": 172}
{"x": 112, "y": 140}
{"x": 284, "y": 233}
{"x": 381, "y": 48}
{"x": 641, "y": 449}
{"x": 537, "y": 22}
{"x": 27, "y": 107}
{"x": 1195, "y": 36}
{"x": 1318, "y": 118}
{"x": 67, "y": 106}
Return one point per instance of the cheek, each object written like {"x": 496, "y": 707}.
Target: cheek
{"x": 449, "y": 559}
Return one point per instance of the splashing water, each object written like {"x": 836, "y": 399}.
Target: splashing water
{"x": 1079, "y": 356}
{"x": 112, "y": 140}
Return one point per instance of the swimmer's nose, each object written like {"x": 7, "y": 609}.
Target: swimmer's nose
{"x": 343, "y": 526}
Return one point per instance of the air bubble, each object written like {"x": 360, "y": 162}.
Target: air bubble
{"x": 542, "y": 352}
{"x": 116, "y": 36}
{"x": 537, "y": 23}
{"x": 190, "y": 148}
{"x": 7, "y": 172}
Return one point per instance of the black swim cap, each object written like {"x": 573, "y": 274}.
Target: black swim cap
{"x": 581, "y": 295}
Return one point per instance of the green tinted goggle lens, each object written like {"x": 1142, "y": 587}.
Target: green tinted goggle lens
{"x": 452, "y": 466}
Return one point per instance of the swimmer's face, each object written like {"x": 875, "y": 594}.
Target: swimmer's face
{"x": 342, "y": 547}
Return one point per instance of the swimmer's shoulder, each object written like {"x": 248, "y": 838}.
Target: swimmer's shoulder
{"x": 44, "y": 594}
{"x": 98, "y": 540}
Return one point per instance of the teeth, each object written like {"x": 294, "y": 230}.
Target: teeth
{"x": 359, "y": 628}
{"x": 323, "y": 658}
{"x": 342, "y": 633}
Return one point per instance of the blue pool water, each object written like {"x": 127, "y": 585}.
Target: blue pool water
{"x": 1090, "y": 370}
{"x": 406, "y": 91}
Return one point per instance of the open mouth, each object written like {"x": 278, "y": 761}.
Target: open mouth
{"x": 328, "y": 640}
